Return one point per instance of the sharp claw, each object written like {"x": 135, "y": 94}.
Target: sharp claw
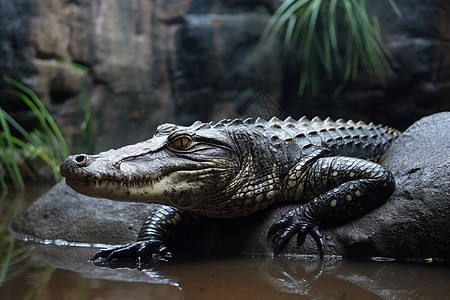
{"x": 272, "y": 230}
{"x": 102, "y": 253}
{"x": 139, "y": 264}
{"x": 95, "y": 256}
{"x": 296, "y": 221}
{"x": 279, "y": 246}
{"x": 281, "y": 235}
{"x": 143, "y": 253}
{"x": 165, "y": 255}
{"x": 301, "y": 236}
{"x": 319, "y": 239}
{"x": 277, "y": 226}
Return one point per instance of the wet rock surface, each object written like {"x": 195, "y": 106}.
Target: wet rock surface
{"x": 413, "y": 224}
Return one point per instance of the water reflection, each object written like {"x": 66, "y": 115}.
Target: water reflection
{"x": 10, "y": 205}
{"x": 231, "y": 278}
{"x": 47, "y": 271}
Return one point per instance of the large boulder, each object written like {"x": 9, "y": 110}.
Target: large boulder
{"x": 413, "y": 224}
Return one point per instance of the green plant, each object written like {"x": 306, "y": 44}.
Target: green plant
{"x": 331, "y": 35}
{"x": 46, "y": 143}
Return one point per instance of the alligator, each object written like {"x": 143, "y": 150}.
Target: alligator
{"x": 235, "y": 168}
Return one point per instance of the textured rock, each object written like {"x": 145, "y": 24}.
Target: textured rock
{"x": 14, "y": 41}
{"x": 64, "y": 214}
{"x": 178, "y": 61}
{"x": 413, "y": 224}
{"x": 150, "y": 61}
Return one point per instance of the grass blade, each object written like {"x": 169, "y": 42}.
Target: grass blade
{"x": 313, "y": 27}
{"x": 7, "y": 151}
{"x": 41, "y": 113}
{"x": 47, "y": 144}
{"x": 395, "y": 8}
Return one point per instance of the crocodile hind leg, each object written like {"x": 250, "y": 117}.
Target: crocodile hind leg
{"x": 151, "y": 245}
{"x": 340, "y": 189}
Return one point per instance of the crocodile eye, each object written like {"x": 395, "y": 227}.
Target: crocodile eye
{"x": 180, "y": 142}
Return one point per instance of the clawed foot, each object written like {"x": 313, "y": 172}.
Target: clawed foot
{"x": 142, "y": 254}
{"x": 295, "y": 221}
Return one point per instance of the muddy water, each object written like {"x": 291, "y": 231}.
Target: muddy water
{"x": 37, "y": 271}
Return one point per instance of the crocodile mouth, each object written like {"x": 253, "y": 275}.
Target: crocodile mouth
{"x": 155, "y": 188}
{"x": 125, "y": 183}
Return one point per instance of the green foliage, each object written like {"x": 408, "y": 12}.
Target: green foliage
{"x": 18, "y": 147}
{"x": 46, "y": 143}
{"x": 331, "y": 35}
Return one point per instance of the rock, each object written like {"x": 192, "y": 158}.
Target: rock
{"x": 14, "y": 41}
{"x": 65, "y": 214}
{"x": 413, "y": 224}
{"x": 178, "y": 61}
{"x": 149, "y": 61}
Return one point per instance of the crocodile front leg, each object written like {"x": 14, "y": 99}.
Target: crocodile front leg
{"x": 341, "y": 189}
{"x": 151, "y": 246}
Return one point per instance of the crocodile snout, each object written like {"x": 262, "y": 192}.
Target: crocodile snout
{"x": 74, "y": 162}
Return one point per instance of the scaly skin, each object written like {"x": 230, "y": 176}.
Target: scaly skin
{"x": 238, "y": 167}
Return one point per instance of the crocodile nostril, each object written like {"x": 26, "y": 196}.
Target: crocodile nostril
{"x": 81, "y": 160}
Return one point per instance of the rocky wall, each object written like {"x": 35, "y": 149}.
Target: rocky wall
{"x": 149, "y": 61}
{"x": 153, "y": 61}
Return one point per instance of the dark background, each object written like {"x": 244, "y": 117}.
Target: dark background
{"x": 154, "y": 61}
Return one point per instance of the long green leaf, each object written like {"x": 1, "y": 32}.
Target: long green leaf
{"x": 38, "y": 151}
{"x": 34, "y": 139}
{"x": 47, "y": 144}
{"x": 7, "y": 152}
{"x": 41, "y": 113}
{"x": 395, "y": 8}
{"x": 365, "y": 48}
{"x": 280, "y": 17}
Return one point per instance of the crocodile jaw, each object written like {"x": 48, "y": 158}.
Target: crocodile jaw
{"x": 156, "y": 189}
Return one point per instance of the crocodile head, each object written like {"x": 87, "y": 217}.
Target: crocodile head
{"x": 198, "y": 168}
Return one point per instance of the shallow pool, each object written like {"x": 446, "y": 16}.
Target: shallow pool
{"x": 39, "y": 271}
